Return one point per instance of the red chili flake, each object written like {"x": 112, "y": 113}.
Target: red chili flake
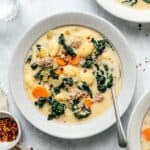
{"x": 61, "y": 69}
{"x": 31, "y": 148}
{"x": 88, "y": 38}
{"x": 8, "y": 130}
{"x": 51, "y": 86}
{"x": 84, "y": 70}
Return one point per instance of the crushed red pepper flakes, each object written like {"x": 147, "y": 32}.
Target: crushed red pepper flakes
{"x": 8, "y": 130}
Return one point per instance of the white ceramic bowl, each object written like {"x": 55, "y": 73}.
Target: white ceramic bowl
{"x": 136, "y": 120}
{"x": 9, "y": 145}
{"x": 72, "y": 131}
{"x": 124, "y": 12}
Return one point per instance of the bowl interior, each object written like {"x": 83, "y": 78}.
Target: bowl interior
{"x": 96, "y": 125}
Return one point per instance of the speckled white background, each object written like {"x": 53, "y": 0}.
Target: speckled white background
{"x": 30, "y": 12}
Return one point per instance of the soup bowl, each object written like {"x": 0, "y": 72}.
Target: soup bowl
{"x": 136, "y": 121}
{"x": 59, "y": 129}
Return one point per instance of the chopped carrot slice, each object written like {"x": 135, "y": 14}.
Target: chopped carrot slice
{"x": 60, "y": 61}
{"x": 74, "y": 60}
{"x": 88, "y": 102}
{"x": 40, "y": 91}
{"x": 59, "y": 71}
{"x": 146, "y": 134}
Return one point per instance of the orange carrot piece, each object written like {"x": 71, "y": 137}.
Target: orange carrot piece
{"x": 74, "y": 60}
{"x": 59, "y": 71}
{"x": 146, "y": 134}
{"x": 40, "y": 91}
{"x": 60, "y": 61}
{"x": 88, "y": 102}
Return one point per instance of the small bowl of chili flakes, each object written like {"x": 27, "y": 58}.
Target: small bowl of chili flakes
{"x": 10, "y": 130}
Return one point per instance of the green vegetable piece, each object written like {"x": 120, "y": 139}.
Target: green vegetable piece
{"x": 68, "y": 49}
{"x": 53, "y": 74}
{"x": 86, "y": 88}
{"x": 99, "y": 46}
{"x": 41, "y": 101}
{"x": 130, "y": 2}
{"x": 34, "y": 66}
{"x": 146, "y": 1}
{"x": 80, "y": 113}
{"x": 88, "y": 62}
{"x": 29, "y": 59}
{"x": 68, "y": 81}
{"x": 58, "y": 108}
{"x": 38, "y": 46}
{"x": 65, "y": 81}
{"x": 102, "y": 88}
{"x": 106, "y": 67}
{"x": 38, "y": 75}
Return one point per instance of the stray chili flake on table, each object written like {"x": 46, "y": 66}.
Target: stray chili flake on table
{"x": 8, "y": 130}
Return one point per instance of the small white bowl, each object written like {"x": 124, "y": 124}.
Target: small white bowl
{"x": 136, "y": 120}
{"x": 9, "y": 145}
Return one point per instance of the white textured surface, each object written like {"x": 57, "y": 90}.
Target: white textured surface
{"x": 30, "y": 12}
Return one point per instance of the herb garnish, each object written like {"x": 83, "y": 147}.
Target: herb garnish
{"x": 65, "y": 81}
{"x": 83, "y": 86}
{"x": 78, "y": 112}
{"x": 67, "y": 48}
{"x": 57, "y": 108}
{"x": 130, "y": 2}
{"x": 100, "y": 45}
{"x": 29, "y": 59}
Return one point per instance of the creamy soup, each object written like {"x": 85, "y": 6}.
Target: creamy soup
{"x": 138, "y": 4}
{"x": 145, "y": 132}
{"x": 68, "y": 74}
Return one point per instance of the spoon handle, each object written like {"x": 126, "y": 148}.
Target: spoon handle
{"x": 122, "y": 141}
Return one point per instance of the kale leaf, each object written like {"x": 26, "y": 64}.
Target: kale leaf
{"x": 67, "y": 48}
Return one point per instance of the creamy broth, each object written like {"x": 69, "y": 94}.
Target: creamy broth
{"x": 145, "y": 132}
{"x": 78, "y": 71}
{"x": 140, "y": 4}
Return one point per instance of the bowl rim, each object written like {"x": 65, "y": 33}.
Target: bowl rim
{"x": 112, "y": 28}
{"x": 124, "y": 12}
{"x": 136, "y": 120}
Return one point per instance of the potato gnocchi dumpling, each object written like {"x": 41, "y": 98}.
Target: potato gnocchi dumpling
{"x": 68, "y": 74}
{"x": 71, "y": 71}
{"x": 87, "y": 77}
{"x": 86, "y": 49}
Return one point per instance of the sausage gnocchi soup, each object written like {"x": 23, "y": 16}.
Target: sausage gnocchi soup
{"x": 139, "y": 4}
{"x": 68, "y": 74}
{"x": 145, "y": 133}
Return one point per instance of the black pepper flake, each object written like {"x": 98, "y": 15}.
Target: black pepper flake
{"x": 140, "y": 26}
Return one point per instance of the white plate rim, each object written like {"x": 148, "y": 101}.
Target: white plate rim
{"x": 87, "y": 129}
{"x": 124, "y": 12}
{"x": 136, "y": 120}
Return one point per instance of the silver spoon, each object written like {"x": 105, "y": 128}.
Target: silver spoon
{"x": 122, "y": 140}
